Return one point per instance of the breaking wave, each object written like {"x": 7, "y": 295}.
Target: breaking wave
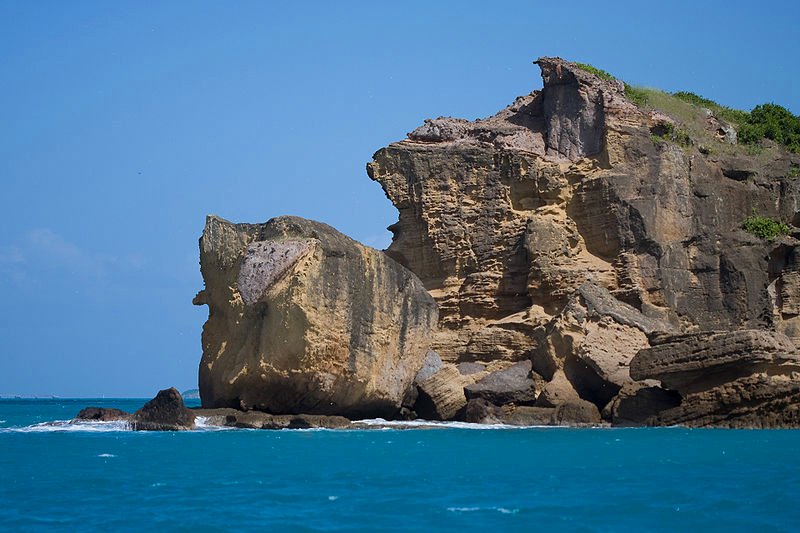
{"x": 64, "y": 426}
{"x": 422, "y": 424}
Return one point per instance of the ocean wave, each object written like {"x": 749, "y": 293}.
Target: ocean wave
{"x": 94, "y": 426}
{"x": 501, "y": 510}
{"x": 425, "y": 424}
{"x": 201, "y": 424}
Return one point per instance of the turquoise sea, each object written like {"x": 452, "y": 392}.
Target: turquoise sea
{"x": 99, "y": 477}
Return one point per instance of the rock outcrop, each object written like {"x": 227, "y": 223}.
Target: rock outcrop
{"x": 584, "y": 259}
{"x": 165, "y": 412}
{"x": 303, "y": 319}
{"x": 234, "y": 418}
{"x": 565, "y": 231}
{"x": 746, "y": 378}
{"x": 102, "y": 414}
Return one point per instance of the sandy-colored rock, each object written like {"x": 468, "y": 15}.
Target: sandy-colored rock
{"x": 700, "y": 361}
{"x": 591, "y": 343}
{"x": 576, "y": 413}
{"x": 480, "y": 411}
{"x": 638, "y": 404}
{"x": 441, "y": 396}
{"x": 505, "y": 218}
{"x": 303, "y": 319}
{"x": 757, "y": 401}
{"x": 557, "y": 391}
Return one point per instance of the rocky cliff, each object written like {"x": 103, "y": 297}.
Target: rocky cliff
{"x": 570, "y": 230}
{"x": 303, "y": 319}
{"x": 586, "y": 252}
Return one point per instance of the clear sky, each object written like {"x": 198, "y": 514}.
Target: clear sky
{"x": 122, "y": 124}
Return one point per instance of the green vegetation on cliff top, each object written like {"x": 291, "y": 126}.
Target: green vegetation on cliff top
{"x": 765, "y": 121}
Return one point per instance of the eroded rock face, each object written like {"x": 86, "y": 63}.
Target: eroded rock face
{"x": 508, "y": 215}
{"x": 303, "y": 319}
{"x": 757, "y": 401}
{"x": 559, "y": 231}
{"x": 588, "y": 347}
{"x": 700, "y": 361}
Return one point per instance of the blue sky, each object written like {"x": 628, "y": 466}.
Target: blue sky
{"x": 122, "y": 124}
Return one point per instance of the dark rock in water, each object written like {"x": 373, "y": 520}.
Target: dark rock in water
{"x": 259, "y": 420}
{"x": 103, "y": 414}
{"x": 303, "y": 319}
{"x": 638, "y": 404}
{"x": 165, "y": 412}
{"x": 511, "y": 385}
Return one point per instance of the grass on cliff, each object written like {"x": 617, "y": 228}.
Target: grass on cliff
{"x": 765, "y": 227}
{"x": 765, "y": 121}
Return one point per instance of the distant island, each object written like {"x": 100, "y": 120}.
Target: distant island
{"x": 191, "y": 394}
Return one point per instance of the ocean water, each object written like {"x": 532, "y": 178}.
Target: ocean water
{"x": 100, "y": 477}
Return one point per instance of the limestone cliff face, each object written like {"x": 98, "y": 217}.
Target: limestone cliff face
{"x": 305, "y": 320}
{"x": 504, "y": 218}
{"x": 519, "y": 224}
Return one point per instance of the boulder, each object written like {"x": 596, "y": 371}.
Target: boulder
{"x": 699, "y": 361}
{"x": 303, "y": 319}
{"x": 441, "y": 396}
{"x": 514, "y": 384}
{"x": 557, "y": 391}
{"x": 102, "y": 414}
{"x": 638, "y": 404}
{"x": 165, "y": 412}
{"x": 480, "y": 411}
{"x": 757, "y": 401}
{"x": 591, "y": 343}
{"x": 576, "y": 413}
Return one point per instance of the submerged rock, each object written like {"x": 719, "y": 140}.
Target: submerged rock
{"x": 165, "y": 412}
{"x": 303, "y": 319}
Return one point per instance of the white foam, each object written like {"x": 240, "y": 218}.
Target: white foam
{"x": 502, "y": 510}
{"x": 106, "y": 455}
{"x": 380, "y": 422}
{"x": 94, "y": 426}
{"x": 201, "y": 424}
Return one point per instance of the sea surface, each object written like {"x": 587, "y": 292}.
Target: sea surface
{"x": 101, "y": 477}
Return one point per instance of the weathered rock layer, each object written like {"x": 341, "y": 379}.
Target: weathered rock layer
{"x": 563, "y": 231}
{"x": 303, "y": 319}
